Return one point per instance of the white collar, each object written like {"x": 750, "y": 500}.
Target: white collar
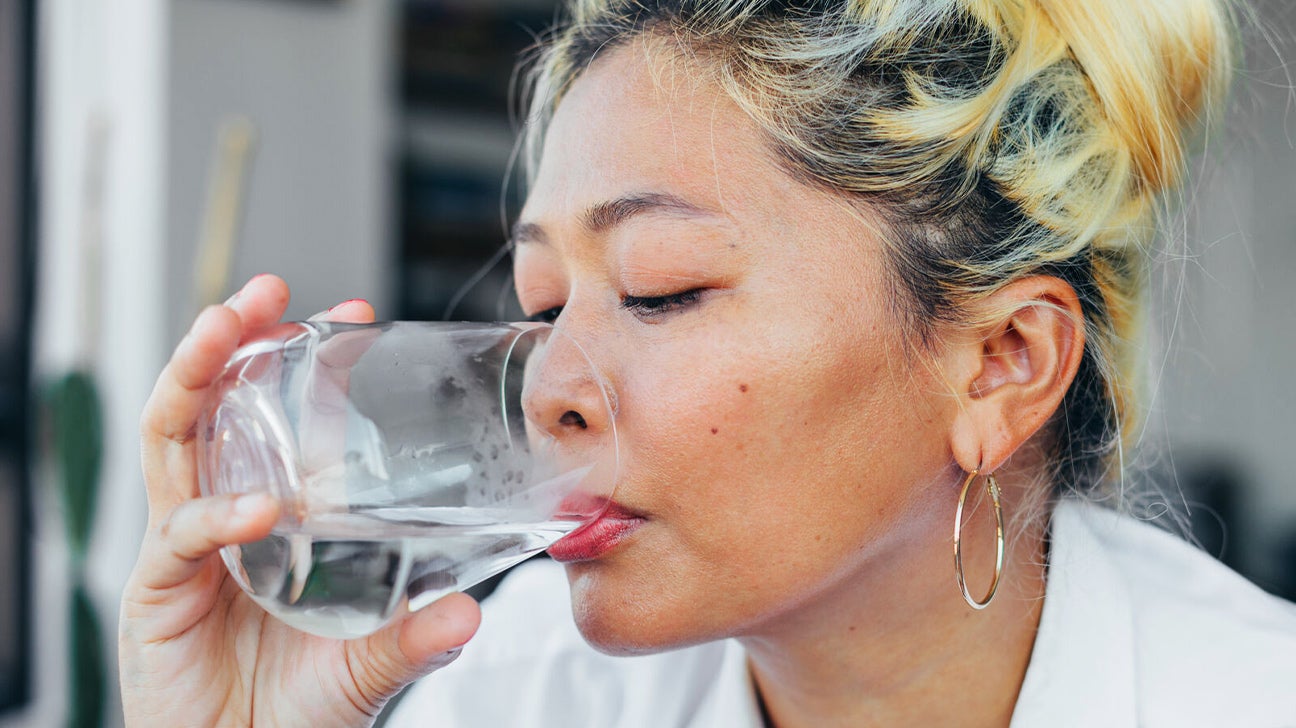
{"x": 1082, "y": 666}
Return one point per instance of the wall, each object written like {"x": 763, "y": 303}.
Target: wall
{"x": 1228, "y": 321}
{"x": 100, "y": 66}
{"x": 313, "y": 78}
{"x": 154, "y": 76}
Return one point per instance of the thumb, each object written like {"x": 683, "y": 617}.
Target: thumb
{"x": 412, "y": 647}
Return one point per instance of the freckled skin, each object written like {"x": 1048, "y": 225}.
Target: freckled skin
{"x": 825, "y": 456}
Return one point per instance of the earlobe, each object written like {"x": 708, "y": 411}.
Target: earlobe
{"x": 1019, "y": 370}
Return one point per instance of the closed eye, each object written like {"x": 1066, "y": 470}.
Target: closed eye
{"x": 649, "y": 306}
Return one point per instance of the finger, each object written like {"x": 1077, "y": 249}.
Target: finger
{"x": 343, "y": 349}
{"x": 355, "y": 311}
{"x": 200, "y": 357}
{"x": 196, "y": 529}
{"x": 328, "y": 389}
{"x": 446, "y": 624}
{"x": 181, "y": 389}
{"x": 260, "y": 303}
{"x": 429, "y": 639}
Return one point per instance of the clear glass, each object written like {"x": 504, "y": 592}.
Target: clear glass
{"x": 410, "y": 460}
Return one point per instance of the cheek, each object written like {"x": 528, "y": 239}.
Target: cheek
{"x": 792, "y": 425}
{"x": 687, "y": 427}
{"x": 742, "y": 423}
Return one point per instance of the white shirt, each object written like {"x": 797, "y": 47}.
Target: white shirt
{"x": 1138, "y": 629}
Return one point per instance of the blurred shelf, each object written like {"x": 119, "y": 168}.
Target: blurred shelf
{"x": 456, "y": 63}
{"x": 433, "y": 285}
{"x": 502, "y": 7}
{"x": 466, "y": 53}
{"x": 444, "y": 203}
{"x": 457, "y": 139}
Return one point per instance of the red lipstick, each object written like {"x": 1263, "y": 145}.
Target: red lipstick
{"x": 597, "y": 538}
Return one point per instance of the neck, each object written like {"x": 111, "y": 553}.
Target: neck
{"x": 912, "y": 652}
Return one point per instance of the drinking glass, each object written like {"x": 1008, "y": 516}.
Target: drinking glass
{"x": 410, "y": 459}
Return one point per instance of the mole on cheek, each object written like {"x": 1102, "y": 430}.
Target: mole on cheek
{"x": 715, "y": 430}
{"x": 742, "y": 388}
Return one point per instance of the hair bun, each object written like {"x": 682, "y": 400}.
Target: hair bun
{"x": 1157, "y": 67}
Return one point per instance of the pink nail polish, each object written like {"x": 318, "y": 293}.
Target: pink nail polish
{"x": 350, "y": 300}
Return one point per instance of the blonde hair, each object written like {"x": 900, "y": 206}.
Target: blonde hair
{"x": 996, "y": 139}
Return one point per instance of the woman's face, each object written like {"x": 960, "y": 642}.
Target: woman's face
{"x": 776, "y": 442}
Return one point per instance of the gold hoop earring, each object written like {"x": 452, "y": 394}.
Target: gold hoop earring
{"x": 992, "y": 487}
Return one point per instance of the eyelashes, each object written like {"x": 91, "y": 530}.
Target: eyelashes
{"x": 658, "y": 305}
{"x": 645, "y": 307}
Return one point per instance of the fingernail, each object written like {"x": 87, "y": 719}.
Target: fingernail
{"x": 348, "y": 301}
{"x": 239, "y": 292}
{"x": 198, "y": 320}
{"x": 445, "y": 658}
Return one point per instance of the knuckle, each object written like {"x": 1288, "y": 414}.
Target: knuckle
{"x": 147, "y": 417}
{"x": 165, "y": 530}
{"x": 150, "y": 416}
{"x": 185, "y": 528}
{"x": 363, "y": 689}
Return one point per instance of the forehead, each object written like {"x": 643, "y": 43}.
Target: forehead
{"x": 646, "y": 120}
{"x": 645, "y": 117}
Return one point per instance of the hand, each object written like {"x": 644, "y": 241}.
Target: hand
{"x": 194, "y": 649}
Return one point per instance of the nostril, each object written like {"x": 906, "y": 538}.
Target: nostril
{"x": 572, "y": 417}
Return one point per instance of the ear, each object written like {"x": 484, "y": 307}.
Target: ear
{"x": 1014, "y": 371}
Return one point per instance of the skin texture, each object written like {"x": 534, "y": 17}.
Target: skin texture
{"x": 194, "y": 649}
{"x": 797, "y": 472}
{"x": 795, "y": 465}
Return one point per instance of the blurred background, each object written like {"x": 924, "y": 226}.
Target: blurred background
{"x": 154, "y": 154}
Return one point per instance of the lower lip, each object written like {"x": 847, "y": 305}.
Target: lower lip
{"x": 594, "y": 540}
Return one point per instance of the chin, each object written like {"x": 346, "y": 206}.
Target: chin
{"x": 627, "y": 622}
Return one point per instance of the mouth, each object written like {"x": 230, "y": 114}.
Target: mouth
{"x": 595, "y": 539}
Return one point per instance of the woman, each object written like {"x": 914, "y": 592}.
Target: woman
{"x": 866, "y": 279}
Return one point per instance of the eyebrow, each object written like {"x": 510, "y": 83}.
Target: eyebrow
{"x": 610, "y": 213}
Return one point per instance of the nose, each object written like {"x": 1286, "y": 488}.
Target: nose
{"x": 563, "y": 393}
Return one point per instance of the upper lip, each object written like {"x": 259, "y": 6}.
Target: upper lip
{"x": 582, "y": 504}
{"x": 616, "y": 510}
{"x": 596, "y": 537}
